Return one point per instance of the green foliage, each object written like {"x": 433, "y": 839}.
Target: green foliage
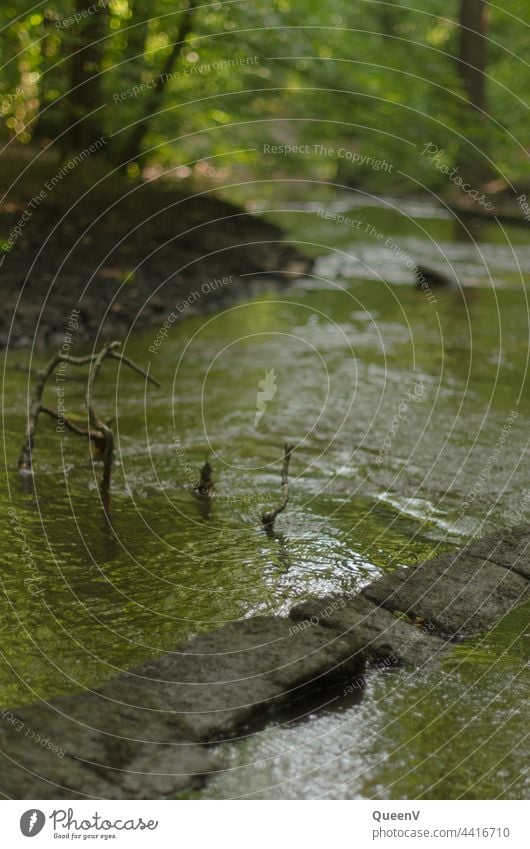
{"x": 375, "y": 79}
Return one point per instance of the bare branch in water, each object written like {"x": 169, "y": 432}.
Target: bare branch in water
{"x": 95, "y": 436}
{"x": 95, "y": 421}
{"x": 203, "y": 491}
{"x": 205, "y": 486}
{"x": 132, "y": 365}
{"x": 269, "y": 516}
{"x": 99, "y": 432}
{"x": 35, "y": 407}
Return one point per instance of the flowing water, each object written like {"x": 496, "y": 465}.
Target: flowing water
{"x": 409, "y": 415}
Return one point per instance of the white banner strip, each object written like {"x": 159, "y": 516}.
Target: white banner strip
{"x": 265, "y": 824}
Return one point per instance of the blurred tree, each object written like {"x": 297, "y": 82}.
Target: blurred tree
{"x": 132, "y": 147}
{"x": 51, "y": 119}
{"x": 474, "y": 20}
{"x": 472, "y": 59}
{"x": 85, "y": 100}
{"x": 172, "y": 83}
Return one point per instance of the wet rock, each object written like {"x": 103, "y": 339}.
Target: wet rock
{"x": 456, "y": 595}
{"x": 138, "y": 735}
{"x": 155, "y": 774}
{"x": 220, "y": 681}
{"x": 95, "y": 749}
{"x": 431, "y": 278}
{"x": 23, "y": 776}
{"x": 383, "y": 635}
{"x": 510, "y": 549}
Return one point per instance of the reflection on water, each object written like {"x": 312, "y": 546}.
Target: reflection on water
{"x": 377, "y": 479}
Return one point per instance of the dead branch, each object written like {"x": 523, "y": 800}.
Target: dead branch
{"x": 205, "y": 486}
{"x": 35, "y": 407}
{"x": 94, "y": 435}
{"x": 95, "y": 421}
{"x": 269, "y": 516}
{"x": 123, "y": 359}
{"x": 99, "y": 432}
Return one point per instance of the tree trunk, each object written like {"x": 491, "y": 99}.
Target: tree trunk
{"x": 85, "y": 98}
{"x": 132, "y": 146}
{"x": 389, "y": 16}
{"x": 472, "y": 60}
{"x": 137, "y": 32}
{"x": 50, "y": 120}
{"x": 472, "y": 158}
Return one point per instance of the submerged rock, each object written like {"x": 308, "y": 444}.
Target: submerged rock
{"x": 454, "y": 595}
{"x": 153, "y": 718}
{"x": 384, "y": 635}
{"x": 430, "y": 278}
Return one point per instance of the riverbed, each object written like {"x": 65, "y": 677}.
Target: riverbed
{"x": 409, "y": 419}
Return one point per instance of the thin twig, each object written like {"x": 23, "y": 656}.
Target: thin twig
{"x": 81, "y": 431}
{"x": 205, "y": 486}
{"x": 99, "y": 432}
{"x": 269, "y": 516}
{"x": 35, "y": 407}
{"x": 94, "y": 435}
{"x": 76, "y": 361}
{"x": 122, "y": 358}
{"x": 96, "y": 422}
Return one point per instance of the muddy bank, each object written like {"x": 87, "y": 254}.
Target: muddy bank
{"x": 123, "y": 254}
{"x": 154, "y": 731}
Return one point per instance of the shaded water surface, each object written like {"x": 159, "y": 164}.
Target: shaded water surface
{"x": 410, "y": 423}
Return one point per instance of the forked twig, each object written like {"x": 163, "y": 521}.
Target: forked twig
{"x": 95, "y": 421}
{"x": 36, "y": 407}
{"x": 132, "y": 365}
{"x": 94, "y": 435}
{"x": 98, "y": 431}
{"x": 269, "y": 516}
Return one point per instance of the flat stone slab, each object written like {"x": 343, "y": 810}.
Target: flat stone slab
{"x": 141, "y": 732}
{"x": 219, "y": 681}
{"x": 456, "y": 595}
{"x": 386, "y": 638}
{"x": 510, "y": 549}
{"x": 93, "y": 750}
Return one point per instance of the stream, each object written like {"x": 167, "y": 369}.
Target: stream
{"x": 409, "y": 420}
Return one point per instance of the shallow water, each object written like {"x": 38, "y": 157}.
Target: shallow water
{"x": 346, "y": 350}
